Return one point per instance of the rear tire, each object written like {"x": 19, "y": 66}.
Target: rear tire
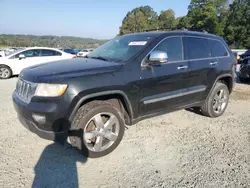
{"x": 5, "y": 72}
{"x": 217, "y": 102}
{"x": 97, "y": 129}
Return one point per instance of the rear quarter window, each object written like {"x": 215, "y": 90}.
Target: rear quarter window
{"x": 217, "y": 48}
{"x": 50, "y": 53}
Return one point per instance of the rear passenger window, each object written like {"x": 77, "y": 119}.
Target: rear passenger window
{"x": 197, "y": 48}
{"x": 50, "y": 53}
{"x": 173, "y": 47}
{"x": 217, "y": 48}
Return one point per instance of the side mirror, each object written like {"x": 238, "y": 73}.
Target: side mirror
{"x": 21, "y": 56}
{"x": 158, "y": 57}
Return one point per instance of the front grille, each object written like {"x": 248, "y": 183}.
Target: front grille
{"x": 25, "y": 90}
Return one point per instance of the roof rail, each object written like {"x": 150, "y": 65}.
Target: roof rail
{"x": 164, "y": 29}
{"x": 158, "y": 29}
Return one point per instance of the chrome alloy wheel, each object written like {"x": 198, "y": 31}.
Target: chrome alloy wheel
{"x": 101, "y": 131}
{"x": 220, "y": 101}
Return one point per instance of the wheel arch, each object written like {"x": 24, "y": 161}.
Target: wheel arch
{"x": 226, "y": 79}
{"x": 6, "y": 66}
{"x": 118, "y": 98}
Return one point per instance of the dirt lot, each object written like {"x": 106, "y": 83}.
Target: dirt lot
{"x": 181, "y": 149}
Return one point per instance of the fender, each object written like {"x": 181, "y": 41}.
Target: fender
{"x": 99, "y": 94}
{"x": 218, "y": 78}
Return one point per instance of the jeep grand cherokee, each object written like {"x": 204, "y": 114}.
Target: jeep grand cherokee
{"x": 126, "y": 80}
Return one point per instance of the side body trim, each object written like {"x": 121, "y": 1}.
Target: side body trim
{"x": 174, "y": 94}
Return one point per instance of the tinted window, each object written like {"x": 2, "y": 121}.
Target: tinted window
{"x": 29, "y": 53}
{"x": 173, "y": 47}
{"x": 50, "y": 53}
{"x": 197, "y": 48}
{"x": 217, "y": 48}
{"x": 69, "y": 51}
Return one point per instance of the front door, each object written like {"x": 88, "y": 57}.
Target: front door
{"x": 163, "y": 84}
{"x": 31, "y": 57}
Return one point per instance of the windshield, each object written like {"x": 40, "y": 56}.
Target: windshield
{"x": 121, "y": 48}
{"x": 13, "y": 52}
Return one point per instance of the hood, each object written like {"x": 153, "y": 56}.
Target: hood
{"x": 60, "y": 70}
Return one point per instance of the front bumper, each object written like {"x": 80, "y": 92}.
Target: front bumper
{"x": 55, "y": 127}
{"x": 48, "y": 135}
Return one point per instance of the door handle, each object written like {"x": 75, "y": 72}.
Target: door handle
{"x": 182, "y": 67}
{"x": 214, "y": 63}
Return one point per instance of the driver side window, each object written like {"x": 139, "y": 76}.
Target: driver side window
{"x": 29, "y": 53}
{"x": 173, "y": 47}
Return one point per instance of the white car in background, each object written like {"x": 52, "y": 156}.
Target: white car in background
{"x": 2, "y": 53}
{"x": 84, "y": 52}
{"x": 15, "y": 62}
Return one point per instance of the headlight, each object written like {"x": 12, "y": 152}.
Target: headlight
{"x": 50, "y": 90}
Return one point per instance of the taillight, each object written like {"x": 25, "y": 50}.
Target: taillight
{"x": 236, "y": 62}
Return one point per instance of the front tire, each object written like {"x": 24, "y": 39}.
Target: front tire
{"x": 5, "y": 72}
{"x": 100, "y": 128}
{"x": 217, "y": 102}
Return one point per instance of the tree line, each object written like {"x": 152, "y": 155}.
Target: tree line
{"x": 49, "y": 41}
{"x": 228, "y": 19}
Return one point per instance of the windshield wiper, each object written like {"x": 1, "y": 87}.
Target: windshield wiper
{"x": 99, "y": 57}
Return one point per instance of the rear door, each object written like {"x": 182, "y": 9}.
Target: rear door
{"x": 220, "y": 52}
{"x": 163, "y": 84}
{"x": 50, "y": 55}
{"x": 203, "y": 68}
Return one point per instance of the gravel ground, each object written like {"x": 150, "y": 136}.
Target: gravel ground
{"x": 180, "y": 149}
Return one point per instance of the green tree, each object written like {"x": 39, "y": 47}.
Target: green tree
{"x": 49, "y": 41}
{"x": 237, "y": 30}
{"x": 183, "y": 22}
{"x": 166, "y": 20}
{"x": 223, "y": 16}
{"x": 139, "y": 19}
{"x": 203, "y": 16}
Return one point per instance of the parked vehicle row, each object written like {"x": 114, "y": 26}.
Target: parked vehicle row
{"x": 126, "y": 80}
{"x": 77, "y": 52}
{"x": 70, "y": 50}
{"x": 13, "y": 63}
{"x": 84, "y": 52}
{"x": 7, "y": 51}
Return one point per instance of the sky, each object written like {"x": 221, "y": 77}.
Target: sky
{"x": 99, "y": 19}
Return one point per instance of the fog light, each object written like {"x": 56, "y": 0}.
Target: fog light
{"x": 39, "y": 119}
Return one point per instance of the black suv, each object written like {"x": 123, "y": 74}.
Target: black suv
{"x": 244, "y": 73}
{"x": 126, "y": 80}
